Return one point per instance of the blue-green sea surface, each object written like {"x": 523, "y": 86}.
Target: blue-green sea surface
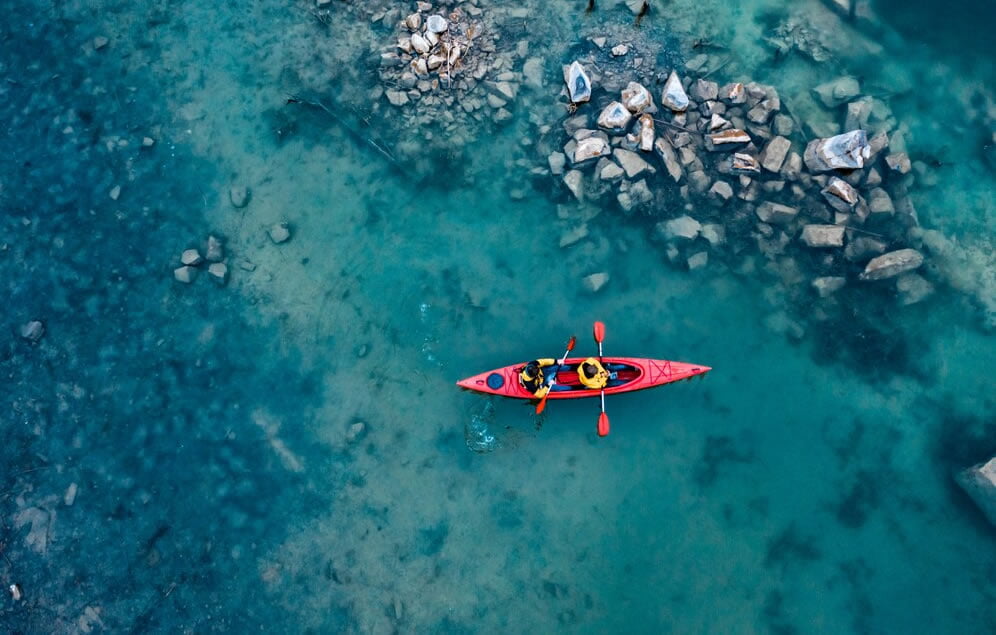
{"x": 286, "y": 450}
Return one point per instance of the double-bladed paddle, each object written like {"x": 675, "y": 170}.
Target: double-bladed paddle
{"x": 603, "y": 419}
{"x": 542, "y": 404}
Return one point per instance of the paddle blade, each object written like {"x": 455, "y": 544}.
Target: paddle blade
{"x": 603, "y": 424}
{"x": 542, "y": 404}
{"x": 570, "y": 343}
{"x": 599, "y": 332}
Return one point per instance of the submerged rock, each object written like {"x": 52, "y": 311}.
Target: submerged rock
{"x": 33, "y": 330}
{"x": 837, "y": 91}
{"x": 828, "y": 285}
{"x": 631, "y": 162}
{"x": 733, "y": 93}
{"x": 840, "y": 195}
{"x": 557, "y": 162}
{"x": 698, "y": 260}
{"x": 913, "y": 288}
{"x": 215, "y": 250}
{"x": 594, "y": 282}
{"x": 191, "y": 257}
{"x": 823, "y": 235}
{"x": 184, "y": 274}
{"x": 776, "y": 213}
{"x": 218, "y": 271}
{"x": 590, "y": 148}
{"x": 615, "y": 117}
{"x": 578, "y": 83}
{"x": 279, "y": 233}
{"x": 238, "y": 195}
{"x": 773, "y": 155}
{"x": 846, "y": 151}
{"x": 745, "y": 164}
{"x": 979, "y": 482}
{"x": 645, "y": 132}
{"x": 879, "y": 202}
{"x": 726, "y": 140}
{"x": 671, "y": 164}
{"x": 892, "y": 264}
{"x": 674, "y": 96}
{"x": 574, "y": 180}
{"x": 681, "y": 228}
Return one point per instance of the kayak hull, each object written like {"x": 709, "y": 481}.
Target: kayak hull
{"x": 629, "y": 374}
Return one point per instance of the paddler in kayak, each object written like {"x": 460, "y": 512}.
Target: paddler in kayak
{"x": 532, "y": 378}
{"x": 592, "y": 374}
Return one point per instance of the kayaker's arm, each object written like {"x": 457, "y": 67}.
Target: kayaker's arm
{"x": 546, "y": 361}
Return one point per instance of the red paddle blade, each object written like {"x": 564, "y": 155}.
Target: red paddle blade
{"x": 542, "y": 404}
{"x": 603, "y": 424}
{"x": 570, "y": 343}
{"x": 599, "y": 332}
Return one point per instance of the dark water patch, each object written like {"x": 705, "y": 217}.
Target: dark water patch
{"x": 773, "y": 613}
{"x": 963, "y": 440}
{"x": 432, "y": 540}
{"x": 718, "y": 453}
{"x": 790, "y": 547}
{"x": 860, "y": 498}
{"x": 509, "y": 511}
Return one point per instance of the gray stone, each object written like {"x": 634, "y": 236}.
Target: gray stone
{"x": 436, "y": 24}
{"x": 631, "y": 162}
{"x": 837, "y": 91}
{"x": 773, "y": 155}
{"x": 761, "y": 113}
{"x": 637, "y": 98}
{"x": 698, "y": 260}
{"x": 892, "y": 264}
{"x": 721, "y": 191}
{"x": 793, "y": 166}
{"x": 913, "y": 288}
{"x": 594, "y": 282}
{"x": 979, "y": 482}
{"x": 33, "y": 330}
{"x": 717, "y": 123}
{"x": 578, "y": 83}
{"x": 640, "y": 194}
{"x": 590, "y": 148}
{"x": 215, "y": 249}
{"x": 734, "y": 93}
{"x": 279, "y": 232}
{"x": 557, "y": 161}
{"x": 611, "y": 171}
{"x": 574, "y": 180}
{"x": 100, "y": 42}
{"x": 776, "y": 213}
{"x": 846, "y": 151}
{"x": 704, "y": 90}
{"x": 823, "y": 235}
{"x": 615, "y": 117}
{"x": 840, "y": 195}
{"x": 898, "y": 162}
{"x": 714, "y": 233}
{"x": 879, "y": 202}
{"x": 575, "y": 235}
{"x": 184, "y": 274}
{"x": 673, "y": 95}
{"x": 726, "y": 140}
{"x": 414, "y": 21}
{"x": 681, "y": 228}
{"x": 619, "y": 50}
{"x": 238, "y": 195}
{"x": 218, "y": 271}
{"x": 191, "y": 257}
{"x": 698, "y": 180}
{"x": 745, "y": 164}
{"x": 783, "y": 125}
{"x": 532, "y": 73}
{"x": 861, "y": 248}
{"x": 645, "y": 132}
{"x": 828, "y": 285}
{"x": 420, "y": 44}
{"x": 671, "y": 164}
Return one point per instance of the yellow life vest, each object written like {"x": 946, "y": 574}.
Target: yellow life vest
{"x": 535, "y": 383}
{"x": 600, "y": 379}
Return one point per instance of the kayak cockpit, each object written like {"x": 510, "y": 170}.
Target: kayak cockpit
{"x": 567, "y": 376}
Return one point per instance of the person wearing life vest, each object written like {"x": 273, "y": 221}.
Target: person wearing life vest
{"x": 533, "y": 379}
{"x": 592, "y": 374}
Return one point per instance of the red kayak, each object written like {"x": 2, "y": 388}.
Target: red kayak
{"x": 627, "y": 374}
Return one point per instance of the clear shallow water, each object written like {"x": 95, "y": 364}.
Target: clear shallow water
{"x": 801, "y": 486}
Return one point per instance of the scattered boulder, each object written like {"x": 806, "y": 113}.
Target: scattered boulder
{"x": 631, "y": 162}
{"x": 892, "y": 264}
{"x": 721, "y": 191}
{"x": 611, "y": 171}
{"x": 532, "y": 73}
{"x": 899, "y": 162}
{"x": 238, "y": 195}
{"x": 761, "y": 113}
{"x": 828, "y": 285}
{"x": 115, "y": 193}
{"x": 913, "y": 288}
{"x": 645, "y": 132}
{"x": 733, "y": 94}
{"x": 726, "y": 140}
{"x": 773, "y": 155}
{"x": 33, "y": 330}
{"x": 589, "y": 148}
{"x": 705, "y": 90}
{"x": 979, "y": 482}
{"x": 436, "y": 24}
{"x": 698, "y": 260}
{"x": 879, "y": 202}
{"x": 100, "y": 42}
{"x": 821, "y": 236}
{"x": 714, "y": 233}
{"x": 191, "y": 257}
{"x": 184, "y": 274}
{"x": 619, "y": 50}
{"x": 574, "y": 180}
{"x": 862, "y": 248}
{"x": 846, "y": 151}
{"x": 215, "y": 250}
{"x": 575, "y": 235}
{"x": 671, "y": 164}
{"x": 593, "y": 283}
{"x": 783, "y": 125}
{"x": 776, "y": 213}
{"x": 557, "y": 161}
{"x": 673, "y": 95}
{"x": 837, "y": 91}
{"x": 615, "y": 117}
{"x": 218, "y": 271}
{"x": 840, "y": 195}
{"x": 279, "y": 233}
{"x": 637, "y": 98}
{"x": 681, "y": 228}
{"x": 578, "y": 83}
{"x": 745, "y": 164}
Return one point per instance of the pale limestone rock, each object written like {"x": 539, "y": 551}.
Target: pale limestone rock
{"x": 673, "y": 95}
{"x": 776, "y": 213}
{"x": 892, "y": 264}
{"x": 773, "y": 155}
{"x": 574, "y": 180}
{"x": 821, "y": 236}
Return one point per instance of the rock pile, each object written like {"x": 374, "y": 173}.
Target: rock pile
{"x": 834, "y": 209}
{"x": 191, "y": 260}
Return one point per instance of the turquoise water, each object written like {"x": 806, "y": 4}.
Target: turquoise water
{"x": 207, "y": 433}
